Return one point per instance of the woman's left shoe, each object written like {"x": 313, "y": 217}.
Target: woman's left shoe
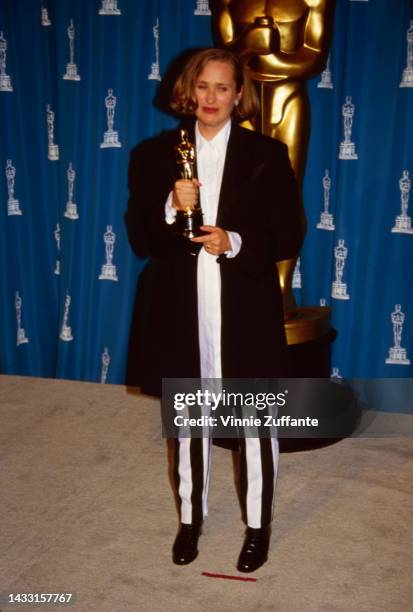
{"x": 254, "y": 552}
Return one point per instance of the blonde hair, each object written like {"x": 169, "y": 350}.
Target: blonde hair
{"x": 183, "y": 99}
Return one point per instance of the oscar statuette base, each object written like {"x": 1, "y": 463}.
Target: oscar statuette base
{"x": 307, "y": 323}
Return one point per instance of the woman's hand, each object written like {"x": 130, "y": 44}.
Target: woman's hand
{"x": 216, "y": 241}
{"x": 185, "y": 194}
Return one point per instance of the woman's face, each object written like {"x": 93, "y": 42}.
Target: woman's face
{"x": 215, "y": 93}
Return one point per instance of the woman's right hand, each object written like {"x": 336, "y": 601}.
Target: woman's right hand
{"x": 185, "y": 194}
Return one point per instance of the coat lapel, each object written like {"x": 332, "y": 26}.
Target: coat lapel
{"x": 237, "y": 169}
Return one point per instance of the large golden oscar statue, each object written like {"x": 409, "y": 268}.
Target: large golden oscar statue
{"x": 284, "y": 43}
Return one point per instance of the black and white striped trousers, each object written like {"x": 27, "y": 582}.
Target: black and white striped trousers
{"x": 258, "y": 474}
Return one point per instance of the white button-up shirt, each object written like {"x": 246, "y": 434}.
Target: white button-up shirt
{"x": 210, "y": 155}
{"x": 210, "y": 163}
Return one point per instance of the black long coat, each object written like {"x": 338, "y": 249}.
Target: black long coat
{"x": 259, "y": 200}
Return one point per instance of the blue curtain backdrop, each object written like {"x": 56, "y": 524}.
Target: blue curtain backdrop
{"x": 57, "y": 317}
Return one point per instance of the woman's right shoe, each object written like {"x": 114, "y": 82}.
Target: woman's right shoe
{"x": 185, "y": 548}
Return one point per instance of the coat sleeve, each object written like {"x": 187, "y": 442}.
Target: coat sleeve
{"x": 274, "y": 230}
{"x": 148, "y": 232}
{"x": 287, "y": 217}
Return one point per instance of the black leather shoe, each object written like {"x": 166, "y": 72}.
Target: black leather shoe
{"x": 185, "y": 549}
{"x": 254, "y": 552}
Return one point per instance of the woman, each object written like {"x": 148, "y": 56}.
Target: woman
{"x": 206, "y": 320}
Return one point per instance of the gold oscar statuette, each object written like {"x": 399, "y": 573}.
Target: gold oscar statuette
{"x": 283, "y": 43}
{"x": 190, "y": 220}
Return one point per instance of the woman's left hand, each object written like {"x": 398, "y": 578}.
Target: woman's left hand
{"x": 216, "y": 241}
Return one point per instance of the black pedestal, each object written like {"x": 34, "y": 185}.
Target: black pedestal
{"x": 311, "y": 360}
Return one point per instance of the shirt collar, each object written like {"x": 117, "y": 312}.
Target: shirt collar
{"x": 218, "y": 143}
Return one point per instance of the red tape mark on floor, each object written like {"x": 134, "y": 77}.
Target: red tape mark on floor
{"x": 227, "y": 577}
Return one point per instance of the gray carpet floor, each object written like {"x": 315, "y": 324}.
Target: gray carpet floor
{"x": 87, "y": 508}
